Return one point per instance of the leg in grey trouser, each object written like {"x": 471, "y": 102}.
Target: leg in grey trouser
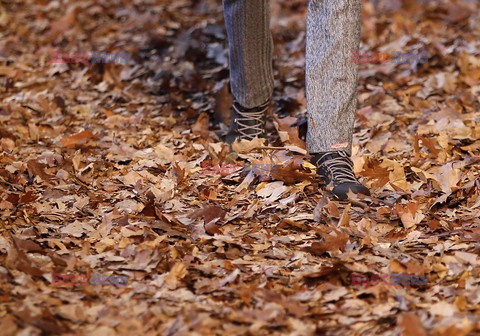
{"x": 333, "y": 33}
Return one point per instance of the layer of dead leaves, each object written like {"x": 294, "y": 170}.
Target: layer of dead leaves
{"x": 100, "y": 172}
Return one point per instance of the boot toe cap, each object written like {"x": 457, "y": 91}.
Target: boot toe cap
{"x": 341, "y": 191}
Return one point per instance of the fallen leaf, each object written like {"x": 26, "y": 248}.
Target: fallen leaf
{"x": 443, "y": 308}
{"x": 246, "y": 146}
{"x": 411, "y": 325}
{"x": 201, "y": 126}
{"x": 77, "y": 139}
{"x": 38, "y": 169}
{"x": 292, "y": 136}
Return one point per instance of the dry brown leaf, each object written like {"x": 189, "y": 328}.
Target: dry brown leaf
{"x": 284, "y": 125}
{"x": 332, "y": 242}
{"x": 246, "y": 146}
{"x": 411, "y": 325}
{"x": 291, "y": 172}
{"x": 201, "y": 125}
{"x": 77, "y": 139}
{"x": 409, "y": 215}
{"x": 176, "y": 274}
{"x": 64, "y": 23}
{"x": 8, "y": 71}
{"x": 345, "y": 219}
{"x": 211, "y": 216}
{"x": 448, "y": 178}
{"x": 38, "y": 169}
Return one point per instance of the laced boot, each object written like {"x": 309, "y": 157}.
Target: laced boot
{"x": 336, "y": 168}
{"x": 247, "y": 123}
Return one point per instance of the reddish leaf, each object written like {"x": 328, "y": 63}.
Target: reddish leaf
{"x": 77, "y": 139}
{"x": 38, "y": 169}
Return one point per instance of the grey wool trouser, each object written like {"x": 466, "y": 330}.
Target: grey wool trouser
{"x": 333, "y": 33}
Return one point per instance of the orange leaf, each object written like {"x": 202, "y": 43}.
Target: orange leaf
{"x": 330, "y": 243}
{"x": 411, "y": 325}
{"x": 77, "y": 139}
{"x": 201, "y": 125}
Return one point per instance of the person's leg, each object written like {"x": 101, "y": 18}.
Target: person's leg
{"x": 251, "y": 47}
{"x": 333, "y": 33}
{"x": 251, "y": 76}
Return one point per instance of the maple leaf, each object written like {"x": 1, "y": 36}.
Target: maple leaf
{"x": 379, "y": 175}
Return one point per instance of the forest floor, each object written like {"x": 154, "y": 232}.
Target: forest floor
{"x": 104, "y": 171}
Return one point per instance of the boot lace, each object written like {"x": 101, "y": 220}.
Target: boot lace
{"x": 340, "y": 168}
{"x": 245, "y": 130}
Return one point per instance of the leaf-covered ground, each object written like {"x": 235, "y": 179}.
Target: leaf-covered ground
{"x": 101, "y": 172}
